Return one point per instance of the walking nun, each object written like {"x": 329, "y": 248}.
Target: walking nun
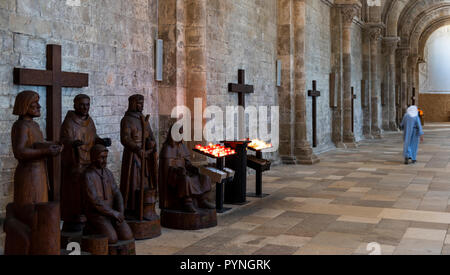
{"x": 412, "y": 133}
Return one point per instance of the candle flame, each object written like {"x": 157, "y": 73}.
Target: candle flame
{"x": 259, "y": 145}
{"x": 217, "y": 150}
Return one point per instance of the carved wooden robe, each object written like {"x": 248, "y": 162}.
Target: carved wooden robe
{"x": 102, "y": 200}
{"x": 74, "y": 161}
{"x": 131, "y": 139}
{"x": 30, "y": 177}
{"x": 178, "y": 179}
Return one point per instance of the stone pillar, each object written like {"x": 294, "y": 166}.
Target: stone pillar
{"x": 182, "y": 26}
{"x": 348, "y": 13}
{"x": 404, "y": 53}
{"x": 336, "y": 50}
{"x": 285, "y": 42}
{"x": 195, "y": 39}
{"x": 303, "y": 151}
{"x": 413, "y": 58}
{"x": 375, "y": 38}
{"x": 172, "y": 90}
{"x": 365, "y": 100}
{"x": 417, "y": 78}
{"x": 390, "y": 44}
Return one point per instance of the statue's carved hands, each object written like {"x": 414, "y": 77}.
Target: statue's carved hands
{"x": 77, "y": 143}
{"x": 147, "y": 154}
{"x": 119, "y": 217}
{"x": 54, "y": 150}
{"x": 192, "y": 169}
{"x": 151, "y": 146}
{"x": 181, "y": 171}
{"x": 107, "y": 142}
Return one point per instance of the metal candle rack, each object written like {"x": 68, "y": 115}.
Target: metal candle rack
{"x": 260, "y": 165}
{"x": 220, "y": 184}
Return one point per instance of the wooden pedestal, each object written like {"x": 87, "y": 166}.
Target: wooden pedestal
{"x": 65, "y": 252}
{"x": 95, "y": 244}
{"x": 144, "y": 230}
{"x": 123, "y": 248}
{"x": 70, "y": 237}
{"x": 203, "y": 218}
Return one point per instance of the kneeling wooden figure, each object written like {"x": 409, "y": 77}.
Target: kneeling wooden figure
{"x": 104, "y": 207}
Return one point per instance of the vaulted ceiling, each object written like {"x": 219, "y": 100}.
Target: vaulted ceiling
{"x": 414, "y": 20}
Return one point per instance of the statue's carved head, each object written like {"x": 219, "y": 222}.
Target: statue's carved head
{"x": 82, "y": 105}
{"x": 136, "y": 103}
{"x": 27, "y": 104}
{"x": 99, "y": 156}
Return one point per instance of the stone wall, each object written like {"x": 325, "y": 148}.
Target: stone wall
{"x": 357, "y": 76}
{"x": 436, "y": 107}
{"x": 111, "y": 40}
{"x": 318, "y": 67}
{"x": 241, "y": 35}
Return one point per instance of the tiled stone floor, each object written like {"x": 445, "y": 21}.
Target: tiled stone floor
{"x": 352, "y": 198}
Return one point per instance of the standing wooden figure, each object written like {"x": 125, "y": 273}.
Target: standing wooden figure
{"x": 32, "y": 223}
{"x": 79, "y": 135}
{"x": 139, "y": 178}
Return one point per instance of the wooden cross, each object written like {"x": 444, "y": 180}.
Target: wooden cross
{"x": 413, "y": 98}
{"x": 314, "y": 94}
{"x": 54, "y": 79}
{"x": 353, "y": 109}
{"x": 241, "y": 89}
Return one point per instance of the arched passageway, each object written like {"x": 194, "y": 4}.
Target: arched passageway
{"x": 434, "y": 74}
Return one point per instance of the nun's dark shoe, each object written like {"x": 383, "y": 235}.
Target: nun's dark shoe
{"x": 406, "y": 161}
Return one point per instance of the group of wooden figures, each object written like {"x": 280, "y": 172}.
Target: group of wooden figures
{"x": 96, "y": 212}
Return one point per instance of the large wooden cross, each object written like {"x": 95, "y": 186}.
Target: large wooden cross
{"x": 241, "y": 89}
{"x": 353, "y": 109}
{"x": 314, "y": 94}
{"x": 54, "y": 79}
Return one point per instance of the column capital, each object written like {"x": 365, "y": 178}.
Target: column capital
{"x": 349, "y": 11}
{"x": 390, "y": 44}
{"x": 403, "y": 51}
{"x": 375, "y": 30}
{"x": 421, "y": 60}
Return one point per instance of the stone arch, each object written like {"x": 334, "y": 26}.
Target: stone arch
{"x": 426, "y": 19}
{"x": 419, "y": 14}
{"x": 422, "y": 41}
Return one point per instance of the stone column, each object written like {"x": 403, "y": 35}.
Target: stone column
{"x": 285, "y": 42}
{"x": 182, "y": 26}
{"x": 390, "y": 44}
{"x": 375, "y": 38}
{"x": 404, "y": 53}
{"x": 413, "y": 58}
{"x": 417, "y": 78}
{"x": 172, "y": 90}
{"x": 303, "y": 151}
{"x": 336, "y": 69}
{"x": 348, "y": 13}
{"x": 195, "y": 39}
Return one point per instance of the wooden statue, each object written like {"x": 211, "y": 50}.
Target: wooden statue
{"x": 139, "y": 176}
{"x": 103, "y": 205}
{"x": 79, "y": 135}
{"x": 183, "y": 190}
{"x": 32, "y": 223}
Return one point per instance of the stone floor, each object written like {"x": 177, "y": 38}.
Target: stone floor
{"x": 352, "y": 198}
